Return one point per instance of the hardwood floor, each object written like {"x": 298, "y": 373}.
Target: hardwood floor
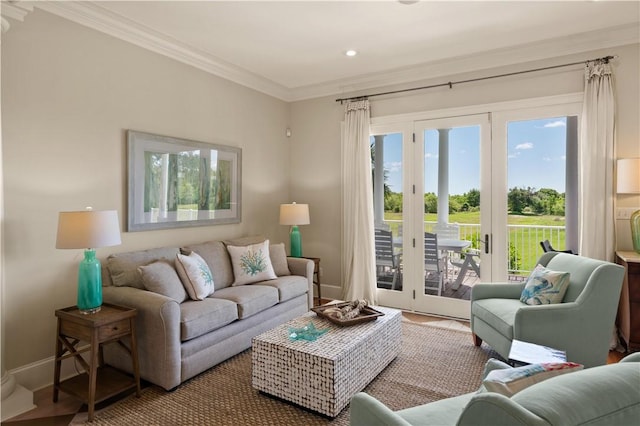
{"x": 62, "y": 413}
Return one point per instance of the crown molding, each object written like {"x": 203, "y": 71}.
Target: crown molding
{"x": 15, "y": 10}
{"x": 93, "y": 16}
{"x": 547, "y": 49}
{"x": 100, "y": 19}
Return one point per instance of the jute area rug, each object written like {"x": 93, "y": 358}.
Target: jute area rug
{"x": 434, "y": 363}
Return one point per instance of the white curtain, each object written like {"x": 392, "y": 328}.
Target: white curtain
{"x": 596, "y": 157}
{"x": 358, "y": 268}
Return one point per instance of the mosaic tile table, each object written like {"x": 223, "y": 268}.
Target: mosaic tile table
{"x": 325, "y": 374}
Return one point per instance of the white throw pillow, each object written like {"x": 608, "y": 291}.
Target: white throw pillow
{"x": 510, "y": 381}
{"x": 251, "y": 263}
{"x": 195, "y": 275}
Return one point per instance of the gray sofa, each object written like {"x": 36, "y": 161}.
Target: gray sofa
{"x": 178, "y": 340}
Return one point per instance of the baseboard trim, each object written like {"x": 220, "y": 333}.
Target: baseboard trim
{"x": 39, "y": 374}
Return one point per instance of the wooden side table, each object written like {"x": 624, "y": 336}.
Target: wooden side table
{"x": 98, "y": 382}
{"x": 316, "y": 275}
{"x": 628, "y": 319}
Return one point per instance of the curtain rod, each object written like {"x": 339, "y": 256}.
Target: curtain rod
{"x": 605, "y": 59}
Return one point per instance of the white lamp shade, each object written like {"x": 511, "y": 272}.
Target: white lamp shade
{"x": 629, "y": 176}
{"x": 294, "y": 214}
{"x": 88, "y": 229}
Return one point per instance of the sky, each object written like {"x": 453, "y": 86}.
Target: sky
{"x": 535, "y": 156}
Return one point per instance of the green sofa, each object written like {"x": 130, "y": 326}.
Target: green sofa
{"x": 582, "y": 324}
{"x": 605, "y": 395}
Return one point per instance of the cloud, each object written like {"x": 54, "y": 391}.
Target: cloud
{"x": 546, "y": 158}
{"x": 558, "y": 123}
{"x": 563, "y": 157}
{"x": 430, "y": 155}
{"x": 526, "y": 145}
{"x": 394, "y": 166}
{"x": 513, "y": 155}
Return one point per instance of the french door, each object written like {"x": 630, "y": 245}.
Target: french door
{"x": 434, "y": 198}
{"x": 448, "y": 211}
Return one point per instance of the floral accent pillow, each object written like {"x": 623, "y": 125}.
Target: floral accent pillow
{"x": 195, "y": 275}
{"x": 545, "y": 286}
{"x": 510, "y": 381}
{"x": 251, "y": 263}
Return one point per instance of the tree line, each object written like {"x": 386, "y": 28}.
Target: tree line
{"x": 524, "y": 201}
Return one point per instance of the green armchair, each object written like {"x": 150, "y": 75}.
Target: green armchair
{"x": 582, "y": 324}
{"x": 605, "y": 395}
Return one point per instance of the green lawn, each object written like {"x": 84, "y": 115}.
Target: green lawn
{"x": 525, "y": 243}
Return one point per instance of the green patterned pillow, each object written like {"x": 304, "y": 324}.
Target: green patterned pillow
{"x": 251, "y": 263}
{"x": 545, "y": 286}
{"x": 195, "y": 275}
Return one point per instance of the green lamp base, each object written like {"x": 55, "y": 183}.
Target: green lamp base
{"x": 296, "y": 242}
{"x": 89, "y": 284}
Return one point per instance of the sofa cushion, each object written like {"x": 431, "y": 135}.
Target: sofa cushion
{"x": 545, "y": 286}
{"x": 161, "y": 277}
{"x": 200, "y": 317}
{"x": 123, "y": 267}
{"x": 249, "y": 299}
{"x": 217, "y": 258}
{"x": 288, "y": 286}
{"x": 499, "y": 313}
{"x": 251, "y": 263}
{"x": 279, "y": 259}
{"x": 510, "y": 381}
{"x": 195, "y": 275}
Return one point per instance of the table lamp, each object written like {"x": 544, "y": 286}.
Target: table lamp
{"x": 88, "y": 230}
{"x": 294, "y": 214}
{"x": 629, "y": 183}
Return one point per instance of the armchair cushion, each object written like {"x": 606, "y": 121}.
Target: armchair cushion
{"x": 545, "y": 286}
{"x": 499, "y": 313}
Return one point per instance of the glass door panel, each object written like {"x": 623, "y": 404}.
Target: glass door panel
{"x": 541, "y": 188}
{"x": 451, "y": 212}
{"x": 389, "y": 179}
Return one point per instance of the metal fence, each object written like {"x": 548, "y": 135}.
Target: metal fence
{"x": 523, "y": 242}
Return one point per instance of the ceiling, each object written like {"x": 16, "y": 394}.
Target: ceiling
{"x": 295, "y": 49}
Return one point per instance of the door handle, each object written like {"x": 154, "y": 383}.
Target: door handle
{"x": 486, "y": 243}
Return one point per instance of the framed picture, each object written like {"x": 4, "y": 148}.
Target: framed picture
{"x": 175, "y": 183}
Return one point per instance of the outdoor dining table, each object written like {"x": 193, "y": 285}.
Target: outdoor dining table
{"x": 468, "y": 263}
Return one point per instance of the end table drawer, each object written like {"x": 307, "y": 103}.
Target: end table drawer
{"x": 113, "y": 330}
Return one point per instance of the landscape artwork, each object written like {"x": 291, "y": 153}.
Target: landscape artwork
{"x": 177, "y": 182}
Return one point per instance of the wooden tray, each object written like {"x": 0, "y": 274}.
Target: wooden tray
{"x": 366, "y": 314}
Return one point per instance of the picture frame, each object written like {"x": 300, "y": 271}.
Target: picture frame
{"x": 175, "y": 183}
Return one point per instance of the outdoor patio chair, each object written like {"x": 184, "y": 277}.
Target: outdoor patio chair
{"x": 387, "y": 262}
{"x": 433, "y": 279}
{"x": 546, "y": 247}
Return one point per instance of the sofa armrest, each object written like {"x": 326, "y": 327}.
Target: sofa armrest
{"x": 157, "y": 335}
{"x": 634, "y": 357}
{"x": 496, "y": 291}
{"x": 495, "y": 409}
{"x": 305, "y": 268}
{"x": 365, "y": 410}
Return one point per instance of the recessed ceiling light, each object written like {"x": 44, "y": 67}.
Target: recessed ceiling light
{"x": 351, "y": 52}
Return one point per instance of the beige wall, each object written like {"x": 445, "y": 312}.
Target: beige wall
{"x": 316, "y": 128}
{"x": 68, "y": 96}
